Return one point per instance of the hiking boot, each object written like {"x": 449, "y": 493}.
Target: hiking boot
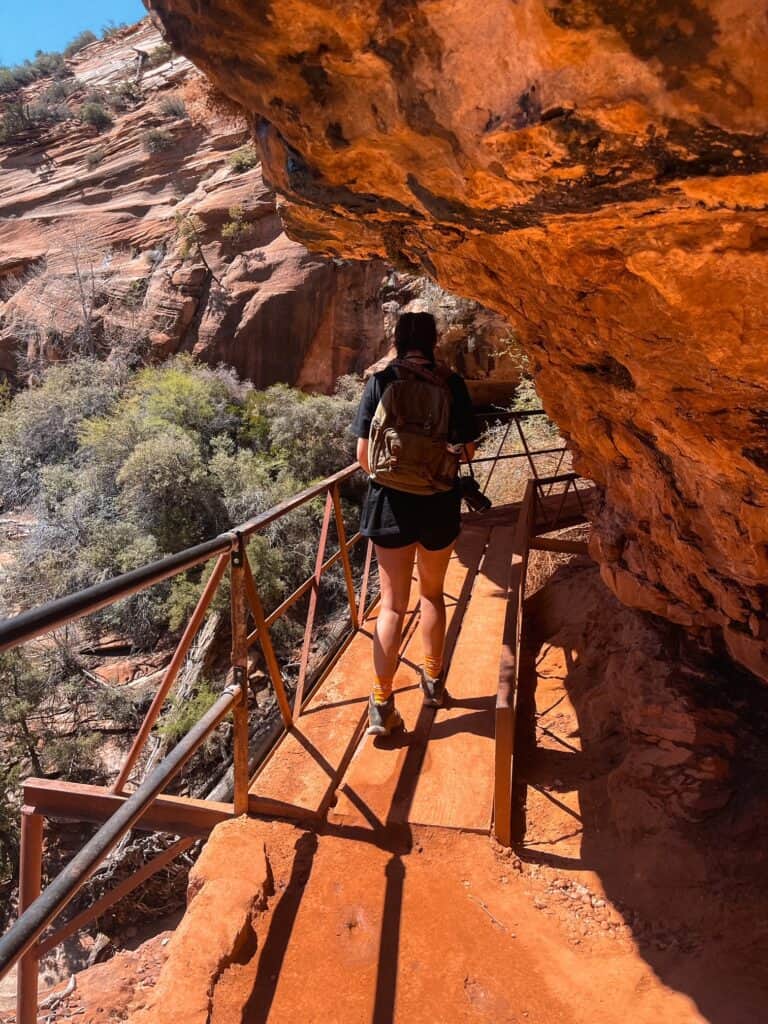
{"x": 433, "y": 689}
{"x": 383, "y": 718}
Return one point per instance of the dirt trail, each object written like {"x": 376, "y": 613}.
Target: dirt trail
{"x": 440, "y": 927}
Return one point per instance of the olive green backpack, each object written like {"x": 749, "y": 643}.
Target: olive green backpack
{"x": 410, "y": 432}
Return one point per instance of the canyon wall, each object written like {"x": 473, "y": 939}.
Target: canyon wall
{"x": 156, "y": 226}
{"x": 163, "y": 221}
{"x": 597, "y": 173}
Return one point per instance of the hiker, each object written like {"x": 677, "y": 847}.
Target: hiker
{"x": 414, "y": 425}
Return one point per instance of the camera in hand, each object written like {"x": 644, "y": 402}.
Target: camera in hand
{"x": 471, "y": 493}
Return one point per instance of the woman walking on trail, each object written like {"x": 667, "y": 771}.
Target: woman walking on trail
{"x": 413, "y": 426}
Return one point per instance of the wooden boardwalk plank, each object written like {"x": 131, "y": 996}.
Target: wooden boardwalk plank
{"x": 299, "y": 778}
{"x": 455, "y": 784}
{"x": 378, "y": 786}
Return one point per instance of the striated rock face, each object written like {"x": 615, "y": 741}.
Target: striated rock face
{"x": 106, "y": 210}
{"x": 173, "y": 243}
{"x": 596, "y": 172}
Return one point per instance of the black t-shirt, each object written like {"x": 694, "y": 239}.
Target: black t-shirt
{"x": 394, "y": 517}
{"x": 463, "y": 427}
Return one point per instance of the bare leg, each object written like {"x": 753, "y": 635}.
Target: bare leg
{"x": 395, "y": 572}
{"x": 432, "y": 568}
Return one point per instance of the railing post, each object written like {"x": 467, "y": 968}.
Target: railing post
{"x": 345, "y": 560}
{"x": 30, "y": 883}
{"x": 240, "y": 675}
{"x": 313, "y": 599}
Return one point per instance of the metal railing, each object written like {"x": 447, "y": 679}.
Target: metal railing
{"x": 25, "y": 942}
{"x": 550, "y": 503}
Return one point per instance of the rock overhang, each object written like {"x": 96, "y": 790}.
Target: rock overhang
{"x": 596, "y": 172}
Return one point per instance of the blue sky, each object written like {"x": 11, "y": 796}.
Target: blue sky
{"x": 29, "y": 25}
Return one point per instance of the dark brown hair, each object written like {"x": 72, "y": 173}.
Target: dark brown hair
{"x": 416, "y": 331}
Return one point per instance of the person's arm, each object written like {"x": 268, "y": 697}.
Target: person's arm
{"x": 362, "y": 422}
{"x": 362, "y": 453}
{"x": 464, "y": 425}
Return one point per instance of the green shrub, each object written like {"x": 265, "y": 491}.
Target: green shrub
{"x": 181, "y": 714}
{"x": 112, "y": 29}
{"x": 80, "y": 41}
{"x": 165, "y": 488}
{"x": 41, "y": 425}
{"x": 157, "y": 139}
{"x": 243, "y": 159}
{"x": 93, "y": 113}
{"x": 14, "y": 78}
{"x": 172, "y": 106}
{"x": 42, "y": 113}
{"x": 124, "y": 95}
{"x": 59, "y": 90}
{"x": 237, "y": 226}
{"x": 15, "y": 121}
{"x": 160, "y": 55}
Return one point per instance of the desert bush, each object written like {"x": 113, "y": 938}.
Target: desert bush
{"x": 14, "y": 120}
{"x": 94, "y": 114}
{"x": 243, "y": 159}
{"x": 165, "y": 488}
{"x": 172, "y": 106}
{"x": 182, "y": 714}
{"x": 307, "y": 434}
{"x": 237, "y": 226}
{"x": 59, "y": 91}
{"x": 48, "y": 113}
{"x": 124, "y": 95}
{"x": 14, "y": 78}
{"x": 160, "y": 55}
{"x": 155, "y": 140}
{"x": 112, "y": 29}
{"x": 40, "y": 426}
{"x": 81, "y": 40}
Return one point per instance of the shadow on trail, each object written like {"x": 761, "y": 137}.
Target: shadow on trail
{"x": 666, "y": 748}
{"x": 272, "y": 953}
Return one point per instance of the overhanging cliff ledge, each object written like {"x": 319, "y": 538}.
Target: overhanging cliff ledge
{"x": 598, "y": 173}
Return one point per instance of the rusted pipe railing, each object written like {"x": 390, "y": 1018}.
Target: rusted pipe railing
{"x": 24, "y": 934}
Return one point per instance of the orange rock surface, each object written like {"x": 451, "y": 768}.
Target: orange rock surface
{"x": 598, "y": 173}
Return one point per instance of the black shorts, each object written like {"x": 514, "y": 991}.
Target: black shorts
{"x": 394, "y": 519}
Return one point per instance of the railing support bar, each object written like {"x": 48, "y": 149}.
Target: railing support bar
{"x": 238, "y": 606}
{"x": 262, "y": 633}
{"x": 364, "y": 582}
{"x": 29, "y": 889}
{"x": 171, "y": 673}
{"x": 313, "y": 599}
{"x": 344, "y": 550}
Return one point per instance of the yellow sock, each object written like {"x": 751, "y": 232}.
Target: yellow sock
{"x": 382, "y": 689}
{"x": 433, "y": 666}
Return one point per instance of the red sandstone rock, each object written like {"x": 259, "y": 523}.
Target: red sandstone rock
{"x": 597, "y": 173}
{"x": 228, "y": 886}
